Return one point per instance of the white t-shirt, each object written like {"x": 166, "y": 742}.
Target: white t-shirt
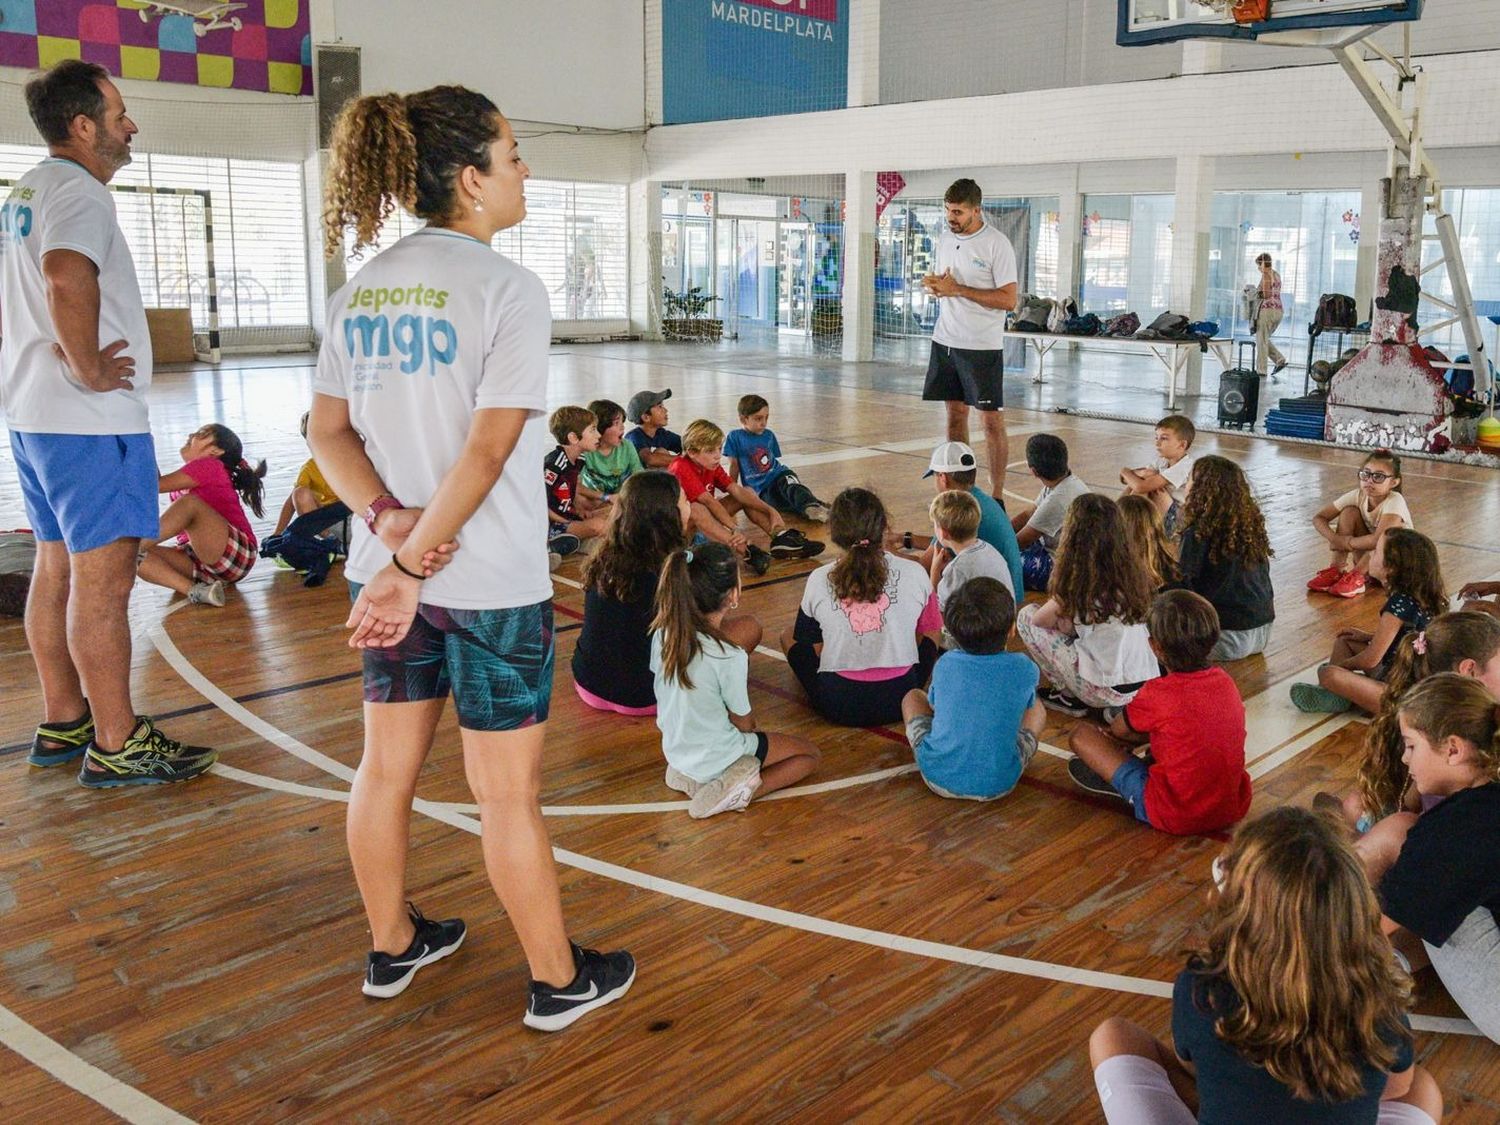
{"x": 858, "y": 636}
{"x": 982, "y": 260}
{"x": 696, "y": 734}
{"x": 1177, "y": 475}
{"x": 1113, "y": 653}
{"x": 428, "y": 332}
{"x": 60, "y": 206}
{"x": 1052, "y": 505}
{"x": 977, "y": 560}
{"x": 1394, "y": 504}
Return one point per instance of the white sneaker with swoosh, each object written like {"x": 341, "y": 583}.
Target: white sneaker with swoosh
{"x": 599, "y": 979}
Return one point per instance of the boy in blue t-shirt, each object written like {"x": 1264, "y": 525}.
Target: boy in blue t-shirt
{"x": 755, "y": 458}
{"x": 977, "y": 726}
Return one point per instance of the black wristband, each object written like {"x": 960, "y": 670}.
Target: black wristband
{"x": 410, "y": 574}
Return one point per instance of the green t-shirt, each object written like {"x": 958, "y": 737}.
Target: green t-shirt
{"x": 606, "y": 472}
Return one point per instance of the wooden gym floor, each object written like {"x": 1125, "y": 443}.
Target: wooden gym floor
{"x": 857, "y": 948}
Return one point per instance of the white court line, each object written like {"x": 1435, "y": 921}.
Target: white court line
{"x": 809, "y": 923}
{"x": 49, "y": 1055}
{"x": 880, "y": 449}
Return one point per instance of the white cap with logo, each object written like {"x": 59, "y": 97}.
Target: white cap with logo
{"x": 951, "y": 457}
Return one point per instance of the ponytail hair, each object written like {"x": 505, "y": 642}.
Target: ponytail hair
{"x": 246, "y": 480}
{"x": 390, "y": 149}
{"x": 1448, "y": 641}
{"x": 857, "y": 523}
{"x": 694, "y": 583}
{"x": 1447, "y": 705}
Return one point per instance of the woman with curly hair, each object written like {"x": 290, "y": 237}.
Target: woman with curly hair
{"x": 612, "y": 662}
{"x": 429, "y": 415}
{"x": 1225, "y": 555}
{"x": 1090, "y": 637}
{"x": 1294, "y": 1010}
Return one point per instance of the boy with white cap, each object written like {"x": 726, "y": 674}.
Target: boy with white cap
{"x": 954, "y": 466}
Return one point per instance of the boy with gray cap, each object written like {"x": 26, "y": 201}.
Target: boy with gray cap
{"x": 656, "y": 444}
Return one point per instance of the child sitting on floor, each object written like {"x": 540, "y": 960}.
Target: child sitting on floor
{"x": 656, "y": 444}
{"x": 1165, "y": 480}
{"x": 574, "y": 513}
{"x": 1355, "y": 522}
{"x": 1194, "y": 719}
{"x": 972, "y": 753}
{"x": 1089, "y": 637}
{"x": 702, "y": 476}
{"x": 1039, "y": 526}
{"x": 311, "y": 493}
{"x": 212, "y": 543}
{"x": 1466, "y": 643}
{"x": 612, "y": 660}
{"x": 1147, "y": 536}
{"x": 965, "y": 556}
{"x": 1224, "y": 554}
{"x": 1406, "y": 562}
{"x": 609, "y": 465}
{"x": 755, "y": 460}
{"x": 867, "y": 629}
{"x": 1438, "y": 874}
{"x": 714, "y": 753}
{"x": 953, "y": 467}
{"x": 1293, "y": 1011}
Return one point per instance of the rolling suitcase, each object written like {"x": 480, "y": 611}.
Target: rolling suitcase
{"x": 1239, "y": 390}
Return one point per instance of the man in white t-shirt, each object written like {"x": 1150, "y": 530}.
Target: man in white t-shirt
{"x": 975, "y": 279}
{"x": 74, "y": 368}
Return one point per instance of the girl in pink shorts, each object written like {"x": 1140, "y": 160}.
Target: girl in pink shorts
{"x": 206, "y": 538}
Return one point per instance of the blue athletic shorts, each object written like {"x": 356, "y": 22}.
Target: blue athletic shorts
{"x": 1129, "y": 782}
{"x": 88, "y": 489}
{"x": 496, "y": 662}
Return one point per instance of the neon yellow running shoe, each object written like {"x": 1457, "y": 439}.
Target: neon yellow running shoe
{"x": 147, "y": 758}
{"x": 58, "y": 744}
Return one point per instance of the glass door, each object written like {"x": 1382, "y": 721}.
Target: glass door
{"x": 794, "y": 277}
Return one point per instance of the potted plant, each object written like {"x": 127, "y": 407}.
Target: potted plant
{"x": 687, "y": 315}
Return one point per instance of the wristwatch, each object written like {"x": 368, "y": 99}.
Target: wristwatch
{"x": 381, "y": 503}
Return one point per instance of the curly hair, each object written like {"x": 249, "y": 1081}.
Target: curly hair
{"x": 646, "y": 529}
{"x": 390, "y": 149}
{"x": 1448, "y": 641}
{"x": 1097, "y": 574}
{"x": 1224, "y": 515}
{"x": 1295, "y": 935}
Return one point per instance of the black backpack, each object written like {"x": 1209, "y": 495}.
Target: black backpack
{"x": 1335, "y": 310}
{"x": 1168, "y": 326}
{"x": 1086, "y": 325}
{"x": 301, "y": 546}
{"x": 1033, "y": 315}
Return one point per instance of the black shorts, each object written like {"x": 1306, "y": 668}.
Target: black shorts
{"x": 975, "y": 377}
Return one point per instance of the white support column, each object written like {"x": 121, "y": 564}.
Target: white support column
{"x": 1370, "y": 202}
{"x": 1191, "y": 220}
{"x": 643, "y": 199}
{"x": 864, "y": 52}
{"x": 1069, "y": 236}
{"x": 859, "y": 266}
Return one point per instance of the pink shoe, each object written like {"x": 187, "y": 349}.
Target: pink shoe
{"x": 1324, "y": 579}
{"x": 1349, "y": 585}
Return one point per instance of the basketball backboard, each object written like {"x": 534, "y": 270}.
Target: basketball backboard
{"x": 1166, "y": 21}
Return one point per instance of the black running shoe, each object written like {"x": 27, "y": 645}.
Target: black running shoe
{"x": 757, "y": 560}
{"x": 57, "y": 744}
{"x": 789, "y": 543}
{"x": 147, "y": 758}
{"x": 1086, "y": 778}
{"x": 387, "y": 975}
{"x": 601, "y": 977}
{"x": 1061, "y": 701}
{"x": 564, "y": 544}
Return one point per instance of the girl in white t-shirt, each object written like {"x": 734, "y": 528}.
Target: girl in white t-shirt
{"x": 1089, "y": 637}
{"x": 432, "y": 388}
{"x": 868, "y": 628}
{"x": 714, "y": 753}
{"x": 1354, "y": 523}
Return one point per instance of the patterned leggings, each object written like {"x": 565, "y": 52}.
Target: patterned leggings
{"x": 1057, "y": 656}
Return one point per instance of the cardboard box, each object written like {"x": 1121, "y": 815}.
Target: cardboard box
{"x": 171, "y": 335}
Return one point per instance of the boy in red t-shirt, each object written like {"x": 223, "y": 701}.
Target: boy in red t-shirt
{"x": 574, "y": 513}
{"x": 699, "y": 469}
{"x": 1194, "y": 719}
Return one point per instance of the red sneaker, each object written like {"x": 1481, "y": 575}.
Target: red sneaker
{"x": 1349, "y": 585}
{"x": 1324, "y": 579}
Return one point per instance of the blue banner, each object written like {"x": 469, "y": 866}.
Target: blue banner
{"x": 723, "y": 59}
